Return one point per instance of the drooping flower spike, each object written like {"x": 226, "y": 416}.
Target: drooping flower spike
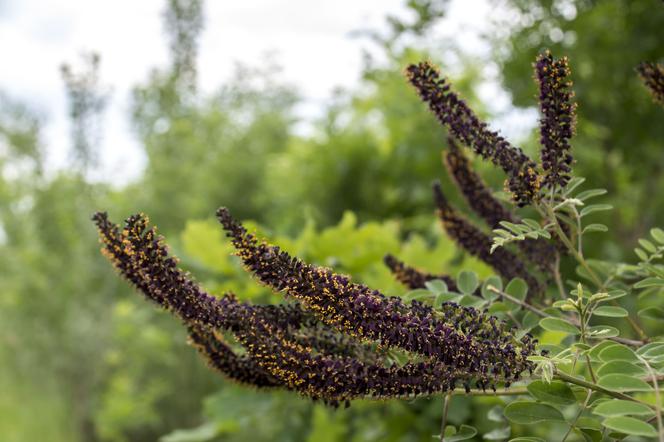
{"x": 558, "y": 118}
{"x": 480, "y": 198}
{"x": 454, "y": 335}
{"x": 478, "y": 244}
{"x": 414, "y": 278}
{"x": 523, "y": 179}
{"x": 220, "y": 356}
{"x": 143, "y": 259}
{"x": 652, "y": 75}
{"x": 274, "y": 357}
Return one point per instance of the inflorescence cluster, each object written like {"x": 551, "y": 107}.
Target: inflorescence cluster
{"x": 558, "y": 118}
{"x": 526, "y": 181}
{"x": 324, "y": 344}
{"x": 330, "y": 340}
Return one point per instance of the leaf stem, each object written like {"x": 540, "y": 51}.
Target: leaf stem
{"x": 443, "y": 420}
{"x": 658, "y": 399}
{"x": 518, "y": 301}
{"x": 578, "y": 415}
{"x": 595, "y": 387}
{"x": 581, "y": 260}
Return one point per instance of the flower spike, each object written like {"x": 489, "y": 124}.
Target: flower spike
{"x": 277, "y": 355}
{"x": 523, "y": 180}
{"x": 367, "y": 314}
{"x": 414, "y": 278}
{"x": 558, "y": 118}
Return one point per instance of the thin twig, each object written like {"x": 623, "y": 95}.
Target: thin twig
{"x": 443, "y": 421}
{"x": 518, "y": 301}
{"x": 583, "y": 383}
{"x": 658, "y": 399}
{"x": 578, "y": 415}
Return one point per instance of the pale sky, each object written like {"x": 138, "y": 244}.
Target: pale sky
{"x": 310, "y": 39}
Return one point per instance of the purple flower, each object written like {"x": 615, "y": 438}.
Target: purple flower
{"x": 286, "y": 347}
{"x": 414, "y": 278}
{"x": 367, "y": 314}
{"x": 523, "y": 180}
{"x": 558, "y": 118}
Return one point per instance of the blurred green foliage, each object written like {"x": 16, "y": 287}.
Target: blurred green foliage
{"x": 84, "y": 359}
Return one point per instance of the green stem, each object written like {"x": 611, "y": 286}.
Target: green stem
{"x": 558, "y": 278}
{"x": 658, "y": 399}
{"x": 571, "y": 248}
{"x": 578, "y": 415}
{"x": 593, "y": 386}
{"x": 583, "y": 340}
{"x": 443, "y": 421}
{"x": 580, "y": 259}
{"x": 518, "y": 301}
{"x": 543, "y": 314}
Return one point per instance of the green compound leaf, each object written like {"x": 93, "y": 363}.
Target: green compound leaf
{"x": 614, "y": 294}
{"x": 527, "y": 439}
{"x": 658, "y": 235}
{"x": 603, "y": 331}
{"x": 595, "y": 228}
{"x": 418, "y": 294}
{"x": 650, "y": 247}
{"x": 446, "y": 297}
{"x": 560, "y": 325}
{"x": 595, "y": 351}
{"x": 650, "y": 282}
{"x": 620, "y": 367}
{"x": 617, "y": 407}
{"x": 436, "y": 286}
{"x": 652, "y": 350}
{"x": 468, "y": 282}
{"x": 517, "y": 288}
{"x": 595, "y": 208}
{"x": 652, "y": 313}
{"x": 610, "y": 311}
{"x": 555, "y": 393}
{"x": 618, "y": 352}
{"x": 525, "y": 412}
{"x": 494, "y": 281}
{"x": 623, "y": 382}
{"x": 496, "y": 414}
{"x": 465, "y": 432}
{"x": 590, "y": 193}
{"x": 529, "y": 321}
{"x": 471, "y": 301}
{"x": 498, "y": 434}
{"x": 629, "y": 425}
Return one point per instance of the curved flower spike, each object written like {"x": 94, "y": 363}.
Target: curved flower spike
{"x": 523, "y": 180}
{"x": 277, "y": 358}
{"x": 359, "y": 311}
{"x": 473, "y": 240}
{"x": 221, "y": 357}
{"x": 414, "y": 278}
{"x": 140, "y": 255}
